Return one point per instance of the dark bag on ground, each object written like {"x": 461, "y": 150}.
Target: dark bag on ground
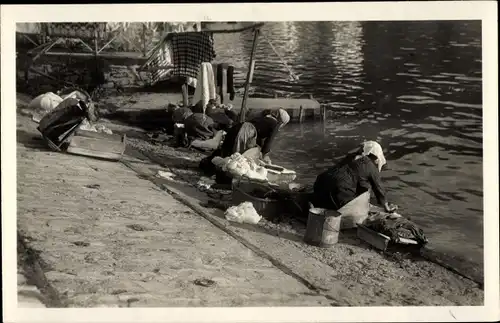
{"x": 58, "y": 124}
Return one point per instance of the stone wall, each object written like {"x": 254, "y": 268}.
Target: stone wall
{"x": 54, "y": 73}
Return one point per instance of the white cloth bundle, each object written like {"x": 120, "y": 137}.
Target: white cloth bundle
{"x": 243, "y": 213}
{"x": 45, "y": 103}
{"x": 239, "y": 166}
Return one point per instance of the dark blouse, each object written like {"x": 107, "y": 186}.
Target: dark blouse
{"x": 224, "y": 119}
{"x": 229, "y": 140}
{"x": 345, "y": 181}
{"x": 267, "y": 129}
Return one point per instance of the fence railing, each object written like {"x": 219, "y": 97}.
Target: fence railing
{"x": 110, "y": 37}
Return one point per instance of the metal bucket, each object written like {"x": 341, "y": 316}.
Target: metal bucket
{"x": 323, "y": 228}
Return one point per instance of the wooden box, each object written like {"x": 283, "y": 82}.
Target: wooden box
{"x": 98, "y": 145}
{"x": 376, "y": 239}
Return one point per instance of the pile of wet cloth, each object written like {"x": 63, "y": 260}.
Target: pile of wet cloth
{"x": 395, "y": 226}
{"x": 243, "y": 213}
{"x": 239, "y": 165}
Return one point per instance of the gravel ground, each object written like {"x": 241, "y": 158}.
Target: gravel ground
{"x": 392, "y": 278}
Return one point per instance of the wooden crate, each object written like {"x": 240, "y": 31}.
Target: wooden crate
{"x": 98, "y": 145}
{"x": 377, "y": 240}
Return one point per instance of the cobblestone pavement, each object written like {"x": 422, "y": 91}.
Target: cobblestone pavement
{"x": 109, "y": 238}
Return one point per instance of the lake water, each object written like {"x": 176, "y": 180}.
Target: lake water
{"x": 416, "y": 87}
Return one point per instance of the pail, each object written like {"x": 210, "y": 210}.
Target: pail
{"x": 323, "y": 227}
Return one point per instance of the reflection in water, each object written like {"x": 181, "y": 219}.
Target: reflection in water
{"x": 289, "y": 30}
{"x": 414, "y": 86}
{"x": 347, "y": 57}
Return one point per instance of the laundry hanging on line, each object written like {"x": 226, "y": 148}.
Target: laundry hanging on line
{"x": 205, "y": 87}
{"x": 219, "y": 70}
{"x": 161, "y": 56}
{"x": 189, "y": 51}
{"x": 184, "y": 52}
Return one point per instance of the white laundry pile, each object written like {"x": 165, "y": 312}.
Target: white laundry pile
{"x": 239, "y": 166}
{"x": 243, "y": 213}
{"x": 43, "y": 104}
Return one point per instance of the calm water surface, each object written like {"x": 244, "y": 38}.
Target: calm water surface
{"x": 416, "y": 87}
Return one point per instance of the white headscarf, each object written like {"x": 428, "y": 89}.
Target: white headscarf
{"x": 374, "y": 148}
{"x": 283, "y": 117}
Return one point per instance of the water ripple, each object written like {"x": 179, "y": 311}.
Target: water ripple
{"x": 414, "y": 86}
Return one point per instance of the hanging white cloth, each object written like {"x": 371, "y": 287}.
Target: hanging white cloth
{"x": 205, "y": 85}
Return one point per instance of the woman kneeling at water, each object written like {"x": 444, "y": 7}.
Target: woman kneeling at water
{"x": 354, "y": 175}
{"x": 202, "y": 124}
{"x": 243, "y": 136}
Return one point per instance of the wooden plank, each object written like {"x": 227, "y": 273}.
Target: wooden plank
{"x": 92, "y": 153}
{"x": 223, "y": 86}
{"x": 127, "y": 58}
{"x": 373, "y": 238}
{"x": 323, "y": 113}
{"x": 97, "y": 145}
{"x": 252, "y": 71}
{"x": 272, "y": 103}
{"x": 244, "y": 109}
{"x": 222, "y": 28}
{"x": 99, "y": 135}
{"x": 185, "y": 95}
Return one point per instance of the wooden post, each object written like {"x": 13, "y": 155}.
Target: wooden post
{"x": 301, "y": 114}
{"x": 144, "y": 45}
{"x": 223, "y": 86}
{"x": 185, "y": 95}
{"x": 96, "y": 46}
{"x": 323, "y": 123}
{"x": 252, "y": 69}
{"x": 249, "y": 76}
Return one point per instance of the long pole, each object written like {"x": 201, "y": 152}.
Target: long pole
{"x": 249, "y": 76}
